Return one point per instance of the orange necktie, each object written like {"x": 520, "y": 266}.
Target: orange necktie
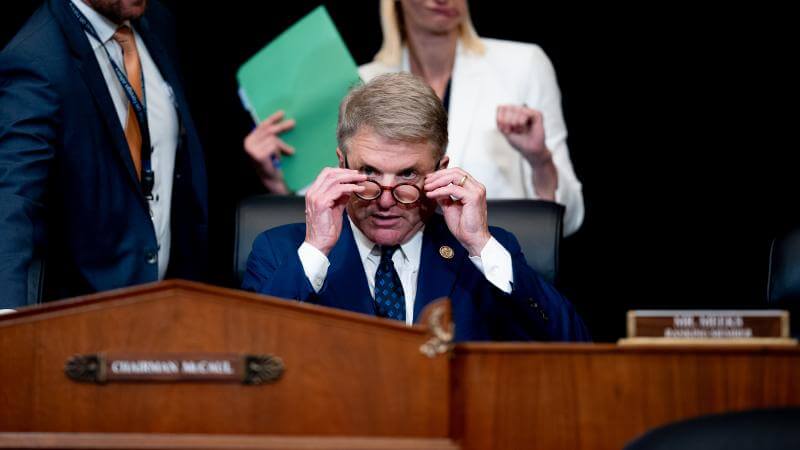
{"x": 133, "y": 69}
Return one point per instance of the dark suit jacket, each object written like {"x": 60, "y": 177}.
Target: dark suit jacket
{"x": 69, "y": 195}
{"x": 533, "y": 311}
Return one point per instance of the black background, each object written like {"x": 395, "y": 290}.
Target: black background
{"x": 681, "y": 126}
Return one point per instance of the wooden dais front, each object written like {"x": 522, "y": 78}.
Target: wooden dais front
{"x": 345, "y": 380}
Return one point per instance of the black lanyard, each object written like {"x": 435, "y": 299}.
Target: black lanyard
{"x": 139, "y": 107}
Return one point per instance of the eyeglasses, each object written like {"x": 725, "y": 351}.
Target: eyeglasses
{"x": 404, "y": 193}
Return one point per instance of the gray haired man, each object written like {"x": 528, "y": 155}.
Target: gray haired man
{"x": 374, "y": 243}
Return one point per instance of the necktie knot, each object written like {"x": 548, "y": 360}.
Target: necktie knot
{"x": 124, "y": 37}
{"x": 388, "y": 251}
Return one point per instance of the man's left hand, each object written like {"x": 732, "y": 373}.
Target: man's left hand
{"x": 463, "y": 202}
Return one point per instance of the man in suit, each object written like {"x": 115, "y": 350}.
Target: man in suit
{"x": 102, "y": 178}
{"x": 373, "y": 242}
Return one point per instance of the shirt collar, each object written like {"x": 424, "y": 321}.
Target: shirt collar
{"x": 411, "y": 249}
{"x": 102, "y": 25}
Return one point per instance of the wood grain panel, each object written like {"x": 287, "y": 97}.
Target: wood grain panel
{"x": 346, "y": 374}
{"x": 557, "y": 396}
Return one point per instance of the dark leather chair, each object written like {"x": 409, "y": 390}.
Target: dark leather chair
{"x": 537, "y": 224}
{"x": 783, "y": 281}
{"x": 783, "y": 285}
{"x": 766, "y": 429}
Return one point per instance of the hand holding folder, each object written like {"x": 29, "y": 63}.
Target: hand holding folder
{"x": 305, "y": 72}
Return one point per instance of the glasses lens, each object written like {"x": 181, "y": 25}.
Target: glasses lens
{"x": 406, "y": 193}
{"x": 372, "y": 190}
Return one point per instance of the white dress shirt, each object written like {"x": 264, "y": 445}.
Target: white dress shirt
{"x": 494, "y": 262}
{"x": 162, "y": 118}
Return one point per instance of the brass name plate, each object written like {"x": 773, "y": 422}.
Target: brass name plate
{"x": 219, "y": 367}
{"x": 708, "y": 324}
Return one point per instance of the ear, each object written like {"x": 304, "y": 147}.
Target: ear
{"x": 340, "y": 155}
{"x": 445, "y": 161}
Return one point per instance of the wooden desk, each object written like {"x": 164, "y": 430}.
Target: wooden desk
{"x": 598, "y": 396}
{"x": 351, "y": 381}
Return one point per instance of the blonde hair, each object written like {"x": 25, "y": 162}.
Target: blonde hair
{"x": 391, "y": 24}
{"x": 399, "y": 107}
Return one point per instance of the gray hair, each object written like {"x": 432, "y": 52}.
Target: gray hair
{"x": 397, "y": 106}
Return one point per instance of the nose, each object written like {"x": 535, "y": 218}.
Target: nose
{"x": 386, "y": 200}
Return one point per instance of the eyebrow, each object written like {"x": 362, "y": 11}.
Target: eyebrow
{"x": 407, "y": 169}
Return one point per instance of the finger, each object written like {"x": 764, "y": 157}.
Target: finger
{"x": 502, "y": 118}
{"x": 470, "y": 189}
{"x": 259, "y": 152}
{"x": 440, "y": 182}
{"x": 281, "y": 127}
{"x": 263, "y": 130}
{"x": 338, "y": 192}
{"x": 509, "y": 118}
{"x": 254, "y": 141}
{"x": 341, "y": 176}
{"x": 537, "y": 119}
{"x": 442, "y": 173}
{"x": 520, "y": 121}
{"x": 262, "y": 149}
{"x": 450, "y": 191}
{"x": 319, "y": 181}
{"x": 272, "y": 119}
{"x": 285, "y": 148}
{"x": 444, "y": 177}
{"x": 498, "y": 119}
{"x": 267, "y": 129}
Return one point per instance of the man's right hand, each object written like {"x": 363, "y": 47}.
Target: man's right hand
{"x": 325, "y": 203}
{"x": 263, "y": 146}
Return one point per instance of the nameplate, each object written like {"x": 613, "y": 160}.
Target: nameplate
{"x": 716, "y": 325}
{"x": 171, "y": 367}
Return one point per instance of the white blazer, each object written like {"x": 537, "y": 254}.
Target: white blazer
{"x": 507, "y": 73}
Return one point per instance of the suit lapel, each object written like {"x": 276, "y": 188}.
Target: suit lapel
{"x": 90, "y": 71}
{"x": 437, "y": 274}
{"x": 347, "y": 283}
{"x": 466, "y": 90}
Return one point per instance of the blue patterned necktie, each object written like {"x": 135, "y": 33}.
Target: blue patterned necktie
{"x": 390, "y": 302}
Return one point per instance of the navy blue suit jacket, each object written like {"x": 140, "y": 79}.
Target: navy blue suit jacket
{"x": 533, "y": 311}
{"x": 69, "y": 194}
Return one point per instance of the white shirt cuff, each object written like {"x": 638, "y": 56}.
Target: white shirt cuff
{"x": 315, "y": 265}
{"x": 7, "y": 311}
{"x": 495, "y": 264}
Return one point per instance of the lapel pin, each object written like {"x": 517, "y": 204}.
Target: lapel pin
{"x": 446, "y": 252}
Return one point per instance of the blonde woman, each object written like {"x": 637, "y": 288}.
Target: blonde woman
{"x": 506, "y": 126}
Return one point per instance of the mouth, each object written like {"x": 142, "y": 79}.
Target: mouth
{"x": 444, "y": 11}
{"x": 386, "y": 220}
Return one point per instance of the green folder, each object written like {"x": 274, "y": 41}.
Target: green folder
{"x": 306, "y": 71}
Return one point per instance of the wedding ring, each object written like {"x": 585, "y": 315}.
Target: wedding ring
{"x": 462, "y": 181}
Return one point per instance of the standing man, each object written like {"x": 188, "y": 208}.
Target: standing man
{"x": 373, "y": 243}
{"x": 102, "y": 178}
